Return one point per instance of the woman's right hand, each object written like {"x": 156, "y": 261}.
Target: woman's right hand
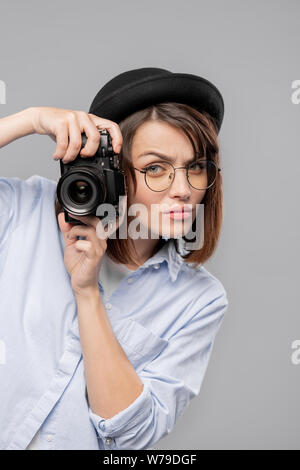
{"x": 65, "y": 126}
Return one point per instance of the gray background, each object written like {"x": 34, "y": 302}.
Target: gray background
{"x": 60, "y": 53}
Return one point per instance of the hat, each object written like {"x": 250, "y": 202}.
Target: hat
{"x": 137, "y": 89}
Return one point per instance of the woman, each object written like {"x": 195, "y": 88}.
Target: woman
{"x": 107, "y": 340}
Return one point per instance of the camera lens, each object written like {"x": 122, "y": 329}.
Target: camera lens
{"x": 80, "y": 191}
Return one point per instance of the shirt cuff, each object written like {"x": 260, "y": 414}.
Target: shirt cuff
{"x": 126, "y": 420}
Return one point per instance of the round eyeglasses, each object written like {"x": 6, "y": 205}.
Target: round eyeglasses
{"x": 201, "y": 174}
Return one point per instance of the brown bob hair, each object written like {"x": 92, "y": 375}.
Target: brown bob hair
{"x": 201, "y": 130}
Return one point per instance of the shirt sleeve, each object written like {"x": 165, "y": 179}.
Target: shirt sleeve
{"x": 170, "y": 381}
{"x": 7, "y": 207}
{"x": 18, "y": 199}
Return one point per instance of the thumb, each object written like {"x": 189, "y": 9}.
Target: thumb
{"x": 64, "y": 226}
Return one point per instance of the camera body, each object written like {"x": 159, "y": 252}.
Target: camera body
{"x": 86, "y": 183}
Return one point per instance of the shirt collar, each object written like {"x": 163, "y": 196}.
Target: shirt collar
{"x": 168, "y": 253}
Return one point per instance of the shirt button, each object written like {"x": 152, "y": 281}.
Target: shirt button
{"x": 130, "y": 280}
{"x": 49, "y": 438}
{"x": 108, "y": 306}
{"x": 156, "y": 266}
{"x": 102, "y": 425}
{"x": 108, "y": 441}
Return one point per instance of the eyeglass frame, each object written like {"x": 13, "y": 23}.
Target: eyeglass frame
{"x": 179, "y": 168}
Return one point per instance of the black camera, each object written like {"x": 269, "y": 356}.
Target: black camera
{"x": 86, "y": 183}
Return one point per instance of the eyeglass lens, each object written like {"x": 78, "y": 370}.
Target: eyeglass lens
{"x": 201, "y": 175}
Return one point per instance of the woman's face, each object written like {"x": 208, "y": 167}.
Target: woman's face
{"x": 160, "y": 137}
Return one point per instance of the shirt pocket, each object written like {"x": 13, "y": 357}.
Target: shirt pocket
{"x": 140, "y": 344}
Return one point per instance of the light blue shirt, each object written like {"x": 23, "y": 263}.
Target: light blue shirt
{"x": 165, "y": 316}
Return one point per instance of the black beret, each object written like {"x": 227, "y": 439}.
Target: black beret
{"x": 137, "y": 89}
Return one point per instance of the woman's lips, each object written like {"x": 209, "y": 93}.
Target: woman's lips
{"x": 179, "y": 215}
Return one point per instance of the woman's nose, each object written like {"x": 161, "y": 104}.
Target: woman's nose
{"x": 180, "y": 186}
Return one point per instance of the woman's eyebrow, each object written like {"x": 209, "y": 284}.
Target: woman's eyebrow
{"x": 163, "y": 157}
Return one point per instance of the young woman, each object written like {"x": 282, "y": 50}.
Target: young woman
{"x": 107, "y": 340}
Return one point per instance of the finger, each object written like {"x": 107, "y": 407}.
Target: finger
{"x": 93, "y": 136}
{"x": 64, "y": 226}
{"x": 87, "y": 219}
{"x": 101, "y": 232}
{"x": 75, "y": 140}
{"x": 113, "y": 128}
{"x": 82, "y": 231}
{"x": 94, "y": 222}
{"x": 61, "y": 141}
{"x": 86, "y": 247}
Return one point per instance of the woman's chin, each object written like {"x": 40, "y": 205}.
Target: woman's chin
{"x": 173, "y": 231}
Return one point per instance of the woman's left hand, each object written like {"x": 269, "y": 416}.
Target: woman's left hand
{"x": 83, "y": 258}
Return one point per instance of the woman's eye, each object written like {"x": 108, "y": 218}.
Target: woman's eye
{"x": 198, "y": 166}
{"x": 151, "y": 169}
{"x": 194, "y": 166}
